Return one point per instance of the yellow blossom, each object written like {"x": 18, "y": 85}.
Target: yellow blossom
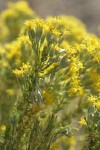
{"x": 24, "y": 40}
{"x": 55, "y": 47}
{"x": 13, "y": 50}
{"x": 37, "y": 107}
{"x": 10, "y": 91}
{"x": 71, "y": 140}
{"x": 97, "y": 104}
{"x": 29, "y": 24}
{"x": 23, "y": 70}
{"x": 55, "y": 146}
{"x": 47, "y": 70}
{"x": 21, "y": 6}
{"x": 9, "y": 13}
{"x": 92, "y": 99}
{"x": 35, "y": 23}
{"x": 48, "y": 97}
{"x": 95, "y": 77}
{"x": 3, "y": 127}
{"x": 82, "y": 122}
{"x": 18, "y": 73}
{"x": 4, "y": 63}
{"x": 2, "y": 50}
{"x": 56, "y": 32}
{"x": 16, "y": 9}
{"x": 25, "y": 67}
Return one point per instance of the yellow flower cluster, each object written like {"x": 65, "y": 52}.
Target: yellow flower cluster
{"x": 2, "y": 128}
{"x": 93, "y": 47}
{"x": 3, "y": 61}
{"x": 24, "y": 39}
{"x": 21, "y": 6}
{"x": 47, "y": 70}
{"x": 71, "y": 140}
{"x": 13, "y": 50}
{"x": 13, "y": 18}
{"x": 82, "y": 122}
{"x": 95, "y": 77}
{"x": 55, "y": 146}
{"x": 14, "y": 10}
{"x": 10, "y": 92}
{"x": 35, "y": 23}
{"x": 94, "y": 100}
{"x": 56, "y": 33}
{"x": 48, "y": 98}
{"x": 75, "y": 66}
{"x": 72, "y": 24}
{"x": 3, "y": 30}
{"x": 23, "y": 70}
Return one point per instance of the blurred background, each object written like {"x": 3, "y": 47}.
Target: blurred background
{"x": 86, "y": 10}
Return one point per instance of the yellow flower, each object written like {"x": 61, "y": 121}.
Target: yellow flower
{"x": 55, "y": 146}
{"x": 24, "y": 40}
{"x": 82, "y": 122}
{"x": 13, "y": 50}
{"x": 10, "y": 92}
{"x": 9, "y": 13}
{"x": 47, "y": 70}
{"x": 48, "y": 97}
{"x": 71, "y": 140}
{"x": 2, "y": 50}
{"x": 55, "y": 20}
{"x": 21, "y": 6}
{"x": 55, "y": 47}
{"x": 35, "y": 23}
{"x": 23, "y": 70}
{"x": 92, "y": 99}
{"x": 16, "y": 9}
{"x": 97, "y": 104}
{"x": 56, "y": 32}
{"x": 95, "y": 78}
{"x": 25, "y": 67}
{"x": 37, "y": 107}
{"x": 3, "y": 127}
{"x": 18, "y": 73}
{"x": 29, "y": 24}
{"x": 4, "y": 63}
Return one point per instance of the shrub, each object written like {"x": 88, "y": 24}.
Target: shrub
{"x": 52, "y": 74}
